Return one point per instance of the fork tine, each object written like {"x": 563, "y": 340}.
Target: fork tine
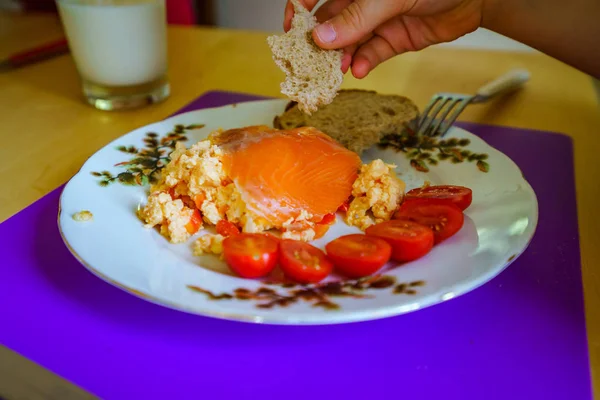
{"x": 429, "y": 119}
{"x": 432, "y": 102}
{"x": 454, "y": 116}
{"x": 452, "y": 103}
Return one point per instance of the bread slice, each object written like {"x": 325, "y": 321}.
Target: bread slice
{"x": 313, "y": 75}
{"x": 358, "y": 119}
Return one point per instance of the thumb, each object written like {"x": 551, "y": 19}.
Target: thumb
{"x": 357, "y": 20}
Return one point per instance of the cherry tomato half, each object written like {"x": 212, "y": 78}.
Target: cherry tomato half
{"x": 409, "y": 240}
{"x": 226, "y": 228}
{"x": 460, "y": 196}
{"x": 444, "y": 218}
{"x": 303, "y": 262}
{"x": 356, "y": 256}
{"x": 195, "y": 223}
{"x": 251, "y": 255}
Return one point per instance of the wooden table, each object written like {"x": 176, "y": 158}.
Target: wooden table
{"x": 48, "y": 131}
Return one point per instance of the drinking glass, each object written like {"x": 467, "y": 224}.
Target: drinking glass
{"x": 120, "y": 50}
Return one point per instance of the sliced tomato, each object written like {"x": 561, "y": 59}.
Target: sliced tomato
{"x": 251, "y": 255}
{"x": 460, "y": 196}
{"x": 444, "y": 218}
{"x": 226, "y": 228}
{"x": 357, "y": 256}
{"x": 303, "y": 262}
{"x": 409, "y": 240}
{"x": 195, "y": 223}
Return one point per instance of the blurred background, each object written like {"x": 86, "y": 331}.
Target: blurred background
{"x": 262, "y": 15}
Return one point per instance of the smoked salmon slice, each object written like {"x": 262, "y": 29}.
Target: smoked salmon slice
{"x": 284, "y": 174}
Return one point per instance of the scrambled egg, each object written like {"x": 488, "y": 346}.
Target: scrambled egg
{"x": 171, "y": 214}
{"x": 377, "y": 194}
{"x": 299, "y": 228}
{"x": 195, "y": 178}
{"x": 209, "y": 244}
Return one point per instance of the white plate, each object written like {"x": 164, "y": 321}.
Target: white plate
{"x": 114, "y": 246}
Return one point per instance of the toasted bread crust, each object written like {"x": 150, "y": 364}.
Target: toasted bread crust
{"x": 356, "y": 118}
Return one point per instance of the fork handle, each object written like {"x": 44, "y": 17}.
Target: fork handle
{"x": 512, "y": 80}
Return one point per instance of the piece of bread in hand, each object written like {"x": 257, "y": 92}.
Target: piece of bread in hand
{"x": 313, "y": 75}
{"x": 358, "y": 119}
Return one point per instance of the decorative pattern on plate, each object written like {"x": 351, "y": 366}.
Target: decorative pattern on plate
{"x": 146, "y": 164}
{"x": 161, "y": 273}
{"x": 420, "y": 150}
{"x": 319, "y": 295}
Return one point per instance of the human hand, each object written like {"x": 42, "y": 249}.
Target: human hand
{"x": 373, "y": 31}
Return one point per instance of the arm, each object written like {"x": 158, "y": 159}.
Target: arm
{"x": 372, "y": 31}
{"x": 568, "y": 30}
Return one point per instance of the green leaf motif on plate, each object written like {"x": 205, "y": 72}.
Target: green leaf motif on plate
{"x": 483, "y": 166}
{"x": 424, "y": 151}
{"x": 145, "y": 165}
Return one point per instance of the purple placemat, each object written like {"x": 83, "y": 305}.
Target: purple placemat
{"x": 521, "y": 336}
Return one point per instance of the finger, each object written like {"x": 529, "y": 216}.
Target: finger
{"x": 357, "y": 20}
{"x": 370, "y": 55}
{"x": 390, "y": 39}
{"x": 349, "y": 52}
{"x": 348, "y": 56}
{"x": 287, "y": 16}
{"x": 330, "y": 9}
{"x": 289, "y": 11}
{"x": 346, "y": 61}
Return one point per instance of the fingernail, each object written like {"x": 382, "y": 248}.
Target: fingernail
{"x": 326, "y": 33}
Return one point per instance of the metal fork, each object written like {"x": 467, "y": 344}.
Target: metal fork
{"x": 444, "y": 108}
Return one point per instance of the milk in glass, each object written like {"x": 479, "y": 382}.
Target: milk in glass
{"x": 120, "y": 49}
